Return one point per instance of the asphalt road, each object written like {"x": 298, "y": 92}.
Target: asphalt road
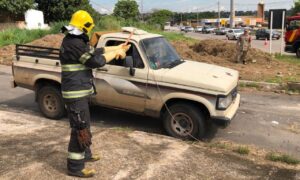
{"x": 259, "y": 44}
{"x": 266, "y": 120}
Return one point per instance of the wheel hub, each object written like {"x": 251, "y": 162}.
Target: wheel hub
{"x": 182, "y": 124}
{"x": 50, "y": 102}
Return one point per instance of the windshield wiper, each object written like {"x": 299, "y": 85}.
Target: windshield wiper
{"x": 175, "y": 63}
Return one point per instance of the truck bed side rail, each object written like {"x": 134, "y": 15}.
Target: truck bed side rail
{"x": 36, "y": 51}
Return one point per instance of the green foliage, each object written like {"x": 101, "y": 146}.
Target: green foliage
{"x": 296, "y": 7}
{"x": 21, "y": 36}
{"x": 127, "y": 9}
{"x": 63, "y": 9}
{"x": 282, "y": 158}
{"x": 15, "y": 7}
{"x": 160, "y": 17}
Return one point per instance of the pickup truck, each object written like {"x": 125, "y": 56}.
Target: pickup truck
{"x": 152, "y": 81}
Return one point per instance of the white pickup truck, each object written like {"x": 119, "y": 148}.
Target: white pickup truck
{"x": 152, "y": 81}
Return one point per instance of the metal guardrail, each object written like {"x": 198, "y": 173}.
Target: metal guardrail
{"x": 37, "y": 51}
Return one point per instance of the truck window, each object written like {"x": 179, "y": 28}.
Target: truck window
{"x": 137, "y": 60}
{"x": 295, "y": 24}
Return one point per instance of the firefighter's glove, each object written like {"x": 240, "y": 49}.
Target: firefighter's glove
{"x": 125, "y": 47}
{"x": 121, "y": 54}
{"x": 84, "y": 138}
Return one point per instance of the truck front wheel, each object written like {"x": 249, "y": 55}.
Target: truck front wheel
{"x": 184, "y": 121}
{"x": 298, "y": 52}
{"x": 51, "y": 102}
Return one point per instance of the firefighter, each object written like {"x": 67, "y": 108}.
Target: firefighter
{"x": 243, "y": 45}
{"x": 77, "y": 61}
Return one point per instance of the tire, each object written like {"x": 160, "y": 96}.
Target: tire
{"x": 298, "y": 52}
{"x": 50, "y": 102}
{"x": 188, "y": 123}
{"x": 257, "y": 38}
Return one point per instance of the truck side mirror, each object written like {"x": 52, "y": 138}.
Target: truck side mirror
{"x": 129, "y": 63}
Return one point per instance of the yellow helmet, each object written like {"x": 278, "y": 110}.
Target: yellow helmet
{"x": 83, "y": 21}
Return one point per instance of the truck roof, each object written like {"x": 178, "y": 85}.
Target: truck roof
{"x": 136, "y": 36}
{"x": 294, "y": 17}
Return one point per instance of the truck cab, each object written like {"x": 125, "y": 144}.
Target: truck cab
{"x": 292, "y": 35}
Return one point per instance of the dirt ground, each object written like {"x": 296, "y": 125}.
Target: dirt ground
{"x": 261, "y": 66}
{"x": 32, "y": 147}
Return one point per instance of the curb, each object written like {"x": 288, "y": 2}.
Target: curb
{"x": 288, "y": 88}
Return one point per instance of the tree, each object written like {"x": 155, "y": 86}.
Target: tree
{"x": 15, "y": 8}
{"x": 296, "y": 7}
{"x": 127, "y": 9}
{"x": 160, "y": 17}
{"x": 58, "y": 10}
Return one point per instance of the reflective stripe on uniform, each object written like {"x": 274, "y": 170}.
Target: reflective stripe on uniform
{"x": 86, "y": 56}
{"x": 75, "y": 156}
{"x": 73, "y": 67}
{"x": 77, "y": 94}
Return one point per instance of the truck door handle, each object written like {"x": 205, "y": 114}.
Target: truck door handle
{"x": 102, "y": 69}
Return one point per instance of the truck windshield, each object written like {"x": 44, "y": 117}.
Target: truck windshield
{"x": 294, "y": 24}
{"x": 160, "y": 53}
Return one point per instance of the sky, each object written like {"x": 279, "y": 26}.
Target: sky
{"x": 106, "y": 6}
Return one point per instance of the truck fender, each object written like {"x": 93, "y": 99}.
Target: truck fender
{"x": 49, "y": 77}
{"x": 209, "y": 101}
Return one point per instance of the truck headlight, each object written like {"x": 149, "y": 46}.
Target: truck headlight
{"x": 223, "y": 102}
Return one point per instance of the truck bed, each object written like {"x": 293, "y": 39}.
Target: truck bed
{"x": 37, "y": 51}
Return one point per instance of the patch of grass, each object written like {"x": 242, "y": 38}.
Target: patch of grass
{"x": 243, "y": 150}
{"x": 126, "y": 129}
{"x": 283, "y": 79}
{"x": 251, "y": 85}
{"x": 21, "y": 36}
{"x": 277, "y": 157}
{"x": 219, "y": 145}
{"x": 288, "y": 59}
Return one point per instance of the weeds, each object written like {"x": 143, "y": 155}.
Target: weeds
{"x": 243, "y": 150}
{"x": 21, "y": 36}
{"x": 276, "y": 157}
{"x": 219, "y": 145}
{"x": 288, "y": 58}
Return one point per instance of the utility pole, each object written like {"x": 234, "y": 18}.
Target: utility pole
{"x": 219, "y": 15}
{"x": 197, "y": 17}
{"x": 232, "y": 14}
{"x": 142, "y": 9}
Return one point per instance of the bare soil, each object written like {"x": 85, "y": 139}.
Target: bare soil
{"x": 39, "y": 151}
{"x": 261, "y": 66}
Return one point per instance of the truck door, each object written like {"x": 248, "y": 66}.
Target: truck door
{"x": 116, "y": 87}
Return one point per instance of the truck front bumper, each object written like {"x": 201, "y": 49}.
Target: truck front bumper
{"x": 229, "y": 114}
{"x": 289, "y": 48}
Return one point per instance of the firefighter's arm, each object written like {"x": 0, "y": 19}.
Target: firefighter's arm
{"x": 97, "y": 57}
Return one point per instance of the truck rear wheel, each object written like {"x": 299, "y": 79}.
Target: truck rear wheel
{"x": 51, "y": 102}
{"x": 186, "y": 122}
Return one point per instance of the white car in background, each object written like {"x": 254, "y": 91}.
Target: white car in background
{"x": 198, "y": 29}
{"x": 234, "y": 33}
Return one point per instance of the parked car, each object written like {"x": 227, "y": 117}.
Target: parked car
{"x": 265, "y": 34}
{"x": 221, "y": 31}
{"x": 234, "y": 33}
{"x": 182, "y": 28}
{"x": 208, "y": 29}
{"x": 151, "y": 81}
{"x": 189, "y": 29}
{"x": 198, "y": 29}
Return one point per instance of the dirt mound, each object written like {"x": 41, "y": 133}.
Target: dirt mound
{"x": 228, "y": 51}
{"x": 261, "y": 66}
{"x": 51, "y": 40}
